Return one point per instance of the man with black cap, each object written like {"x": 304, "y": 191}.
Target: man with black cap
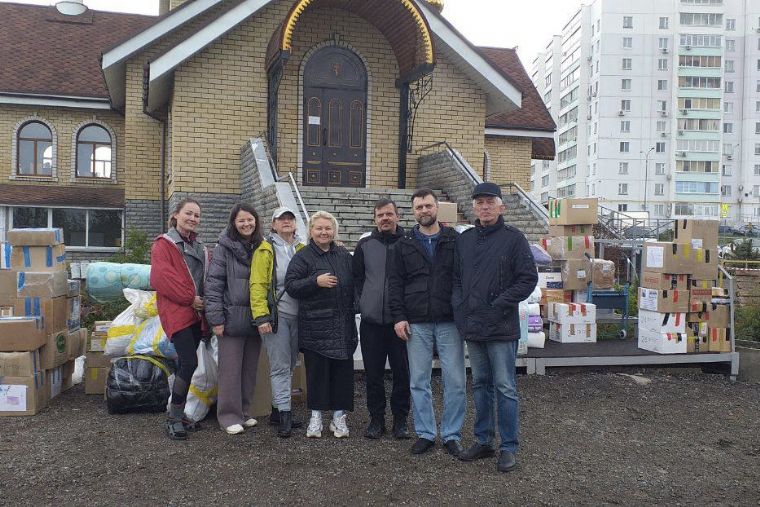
{"x": 493, "y": 272}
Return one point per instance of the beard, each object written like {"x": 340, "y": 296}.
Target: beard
{"x": 427, "y": 220}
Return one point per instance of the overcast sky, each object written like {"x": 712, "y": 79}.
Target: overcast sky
{"x": 503, "y": 23}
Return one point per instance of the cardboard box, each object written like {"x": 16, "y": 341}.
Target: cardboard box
{"x": 19, "y": 364}
{"x": 700, "y": 295}
{"x": 571, "y": 230}
{"x": 447, "y": 213}
{"x": 568, "y": 247}
{"x": 664, "y": 301}
{"x": 699, "y": 328}
{"x": 664, "y": 281}
{"x": 720, "y": 340}
{"x": 95, "y": 380}
{"x": 21, "y": 396}
{"x": 55, "y": 351}
{"x": 602, "y": 274}
{"x": 74, "y": 288}
{"x": 39, "y": 258}
{"x": 102, "y": 326}
{"x": 719, "y": 292}
{"x": 573, "y": 211}
{"x": 5, "y": 255}
{"x": 701, "y": 284}
{"x": 556, "y": 296}
{"x": 572, "y": 333}
{"x": 97, "y": 360}
{"x": 20, "y": 334}
{"x": 663, "y": 343}
{"x": 76, "y": 344}
{"x": 34, "y": 284}
{"x": 697, "y": 233}
{"x": 662, "y": 322}
{"x": 697, "y": 344}
{"x": 550, "y": 280}
{"x": 59, "y": 379}
{"x": 96, "y": 342}
{"x": 73, "y": 313}
{"x": 35, "y": 237}
{"x": 572, "y": 313}
{"x": 52, "y": 311}
{"x": 715, "y": 315}
{"x": 674, "y": 258}
{"x": 575, "y": 274}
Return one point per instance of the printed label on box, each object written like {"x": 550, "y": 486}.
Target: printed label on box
{"x": 12, "y": 398}
{"x": 655, "y": 256}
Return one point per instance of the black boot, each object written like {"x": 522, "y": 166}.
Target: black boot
{"x": 274, "y": 417}
{"x": 286, "y": 424}
{"x": 174, "y": 427}
{"x": 400, "y": 428}
{"x": 376, "y": 428}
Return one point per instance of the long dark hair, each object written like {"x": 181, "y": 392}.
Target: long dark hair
{"x": 181, "y": 204}
{"x": 232, "y": 231}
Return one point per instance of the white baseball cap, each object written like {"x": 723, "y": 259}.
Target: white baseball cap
{"x": 281, "y": 211}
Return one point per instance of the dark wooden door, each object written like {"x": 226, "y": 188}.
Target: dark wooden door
{"x": 334, "y": 119}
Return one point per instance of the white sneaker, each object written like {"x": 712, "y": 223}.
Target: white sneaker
{"x": 315, "y": 427}
{"x": 339, "y": 427}
{"x": 250, "y": 422}
{"x": 235, "y": 429}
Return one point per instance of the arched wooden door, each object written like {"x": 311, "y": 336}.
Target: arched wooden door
{"x": 335, "y": 119}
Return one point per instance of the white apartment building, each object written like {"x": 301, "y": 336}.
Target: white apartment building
{"x": 657, "y": 105}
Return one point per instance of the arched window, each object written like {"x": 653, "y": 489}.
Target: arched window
{"x": 93, "y": 152}
{"x": 35, "y": 150}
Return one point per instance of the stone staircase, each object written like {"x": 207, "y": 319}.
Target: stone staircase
{"x": 518, "y": 215}
{"x": 354, "y": 207}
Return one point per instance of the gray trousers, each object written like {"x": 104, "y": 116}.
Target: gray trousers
{"x": 238, "y": 360}
{"x": 282, "y": 350}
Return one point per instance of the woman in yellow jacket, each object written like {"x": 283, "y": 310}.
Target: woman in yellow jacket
{"x": 276, "y": 313}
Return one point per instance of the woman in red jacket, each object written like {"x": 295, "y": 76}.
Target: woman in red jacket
{"x": 178, "y": 269}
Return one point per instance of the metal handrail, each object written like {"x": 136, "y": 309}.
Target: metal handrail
{"x": 732, "y": 301}
{"x": 298, "y": 195}
{"x": 739, "y": 262}
{"x": 472, "y": 176}
{"x": 542, "y": 212}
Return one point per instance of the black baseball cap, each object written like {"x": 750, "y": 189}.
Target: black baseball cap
{"x": 487, "y": 188}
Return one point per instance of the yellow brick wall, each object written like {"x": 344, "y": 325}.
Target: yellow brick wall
{"x": 64, "y": 122}
{"x": 510, "y": 159}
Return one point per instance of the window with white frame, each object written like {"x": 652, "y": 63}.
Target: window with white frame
{"x": 622, "y": 188}
{"x": 757, "y": 127}
{"x": 728, "y": 128}
{"x": 725, "y": 190}
{"x": 627, "y": 21}
{"x": 729, "y": 66}
{"x": 730, "y": 24}
{"x": 757, "y": 86}
{"x": 659, "y": 168}
{"x": 757, "y": 169}
{"x": 663, "y": 23}
{"x": 625, "y": 105}
{"x": 757, "y": 106}
{"x": 730, "y": 45}
{"x": 659, "y": 210}
{"x": 757, "y": 148}
{"x": 659, "y": 189}
{"x": 662, "y": 105}
{"x": 662, "y": 64}
{"x": 545, "y": 181}
{"x": 662, "y": 42}
{"x": 622, "y": 167}
{"x": 729, "y": 87}
{"x": 622, "y": 207}
{"x": 660, "y": 147}
{"x": 82, "y": 227}
{"x": 627, "y": 42}
{"x": 625, "y": 126}
{"x": 625, "y": 147}
{"x": 726, "y": 170}
{"x": 728, "y": 107}
{"x": 625, "y": 84}
{"x": 756, "y": 191}
{"x": 662, "y": 84}
{"x": 661, "y": 125}
{"x": 626, "y": 64}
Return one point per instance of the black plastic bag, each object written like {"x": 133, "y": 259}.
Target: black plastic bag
{"x": 138, "y": 384}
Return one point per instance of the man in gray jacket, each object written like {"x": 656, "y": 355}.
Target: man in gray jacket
{"x": 379, "y": 342}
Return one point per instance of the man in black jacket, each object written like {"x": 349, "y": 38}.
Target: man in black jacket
{"x": 377, "y": 337}
{"x": 494, "y": 272}
{"x": 420, "y": 290}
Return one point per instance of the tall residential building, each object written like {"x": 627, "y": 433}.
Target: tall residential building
{"x": 657, "y": 105}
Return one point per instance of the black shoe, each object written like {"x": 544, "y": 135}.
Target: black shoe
{"x": 453, "y": 447}
{"x": 376, "y": 428}
{"x": 191, "y": 426}
{"x": 286, "y": 424}
{"x": 400, "y": 429}
{"x": 477, "y": 451}
{"x": 175, "y": 429}
{"x": 422, "y": 445}
{"x": 274, "y": 417}
{"x": 507, "y": 462}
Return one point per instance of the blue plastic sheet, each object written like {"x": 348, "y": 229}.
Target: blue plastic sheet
{"x": 106, "y": 281}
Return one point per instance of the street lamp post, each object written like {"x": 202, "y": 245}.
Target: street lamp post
{"x": 646, "y": 174}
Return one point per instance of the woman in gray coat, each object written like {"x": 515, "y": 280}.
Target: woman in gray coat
{"x": 228, "y": 312}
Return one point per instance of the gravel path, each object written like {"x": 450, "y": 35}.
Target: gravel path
{"x": 586, "y": 439}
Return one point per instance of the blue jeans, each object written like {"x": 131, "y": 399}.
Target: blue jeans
{"x": 445, "y": 338}
{"x": 493, "y": 376}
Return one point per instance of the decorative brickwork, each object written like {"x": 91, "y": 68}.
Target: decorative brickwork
{"x": 144, "y": 215}
{"x": 510, "y": 159}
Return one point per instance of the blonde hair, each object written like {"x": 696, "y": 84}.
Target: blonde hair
{"x": 327, "y": 216}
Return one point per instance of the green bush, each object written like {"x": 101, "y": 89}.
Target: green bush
{"x": 745, "y": 251}
{"x": 136, "y": 249}
{"x": 748, "y": 322}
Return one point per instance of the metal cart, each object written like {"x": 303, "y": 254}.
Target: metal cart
{"x": 610, "y": 299}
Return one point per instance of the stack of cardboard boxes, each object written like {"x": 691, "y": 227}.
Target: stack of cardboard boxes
{"x": 677, "y": 314}
{"x": 97, "y": 363}
{"x": 40, "y": 332}
{"x": 570, "y": 243}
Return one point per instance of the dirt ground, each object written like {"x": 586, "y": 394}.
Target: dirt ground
{"x": 587, "y": 438}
